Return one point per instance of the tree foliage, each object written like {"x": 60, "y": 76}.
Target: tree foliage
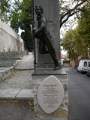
{"x": 69, "y": 9}
{"x": 25, "y": 23}
{"x": 4, "y": 10}
{"x": 84, "y": 25}
{"x": 77, "y": 41}
{"x": 15, "y": 15}
{"x": 19, "y": 14}
{"x": 69, "y": 44}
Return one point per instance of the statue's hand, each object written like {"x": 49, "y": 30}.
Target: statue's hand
{"x": 34, "y": 30}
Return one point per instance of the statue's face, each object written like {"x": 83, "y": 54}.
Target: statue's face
{"x": 38, "y": 12}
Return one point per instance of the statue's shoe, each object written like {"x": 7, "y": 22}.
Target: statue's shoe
{"x": 57, "y": 67}
{"x": 44, "y": 52}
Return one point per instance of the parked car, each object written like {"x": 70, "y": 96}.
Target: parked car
{"x": 88, "y": 72}
{"x": 84, "y": 66}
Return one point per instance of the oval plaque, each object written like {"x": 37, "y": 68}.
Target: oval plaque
{"x": 50, "y": 94}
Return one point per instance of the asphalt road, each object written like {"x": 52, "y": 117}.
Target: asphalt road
{"x": 79, "y": 96}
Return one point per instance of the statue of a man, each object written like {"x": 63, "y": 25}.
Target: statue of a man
{"x": 42, "y": 34}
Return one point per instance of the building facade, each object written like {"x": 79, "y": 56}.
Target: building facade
{"x": 9, "y": 40}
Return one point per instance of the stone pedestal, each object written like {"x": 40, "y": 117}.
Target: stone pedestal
{"x": 62, "y": 112}
{"x": 51, "y": 12}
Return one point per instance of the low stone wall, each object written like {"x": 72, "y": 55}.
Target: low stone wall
{"x": 8, "y": 59}
{"x": 16, "y": 104}
{"x": 12, "y": 55}
{"x": 6, "y": 73}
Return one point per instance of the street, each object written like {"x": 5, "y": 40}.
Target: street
{"x": 79, "y": 96}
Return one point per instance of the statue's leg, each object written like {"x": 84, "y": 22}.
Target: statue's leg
{"x": 42, "y": 47}
{"x": 51, "y": 50}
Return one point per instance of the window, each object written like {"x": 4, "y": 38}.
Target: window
{"x": 88, "y": 64}
{"x": 85, "y": 64}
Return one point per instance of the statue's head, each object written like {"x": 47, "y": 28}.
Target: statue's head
{"x": 38, "y": 10}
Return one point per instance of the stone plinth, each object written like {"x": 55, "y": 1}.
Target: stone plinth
{"x": 62, "y": 112}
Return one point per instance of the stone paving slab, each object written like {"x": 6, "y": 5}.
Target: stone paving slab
{"x": 26, "y": 63}
{"x": 8, "y": 93}
{"x": 25, "y": 93}
{"x": 16, "y": 94}
{"x": 20, "y": 79}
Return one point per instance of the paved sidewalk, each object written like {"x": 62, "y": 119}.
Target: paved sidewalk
{"x": 22, "y": 76}
{"x": 10, "y": 94}
{"x": 20, "y": 79}
{"x": 26, "y": 63}
{"x": 16, "y": 94}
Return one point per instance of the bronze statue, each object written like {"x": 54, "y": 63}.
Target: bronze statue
{"x": 42, "y": 34}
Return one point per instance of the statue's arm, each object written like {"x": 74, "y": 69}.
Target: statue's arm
{"x": 43, "y": 25}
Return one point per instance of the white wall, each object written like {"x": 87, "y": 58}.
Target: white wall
{"x": 9, "y": 40}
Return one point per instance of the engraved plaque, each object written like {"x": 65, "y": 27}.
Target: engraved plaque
{"x": 50, "y": 94}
